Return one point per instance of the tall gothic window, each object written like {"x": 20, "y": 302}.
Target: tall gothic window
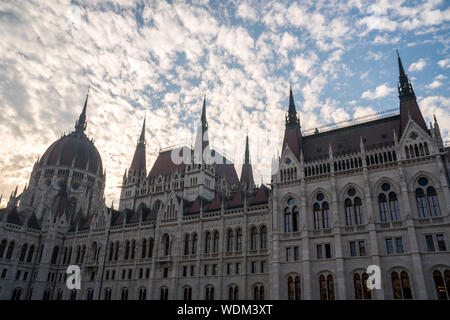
{"x": 442, "y": 287}
{"x": 216, "y": 242}
{"x": 400, "y": 285}
{"x": 151, "y": 244}
{"x": 233, "y": 292}
{"x": 186, "y": 245}
{"x": 254, "y": 238}
{"x": 326, "y": 285}
{"x": 291, "y": 217}
{"x": 427, "y": 203}
{"x": 294, "y": 288}
{"x": 187, "y": 293}
{"x": 321, "y": 212}
{"x": 207, "y": 242}
{"x": 194, "y": 244}
{"x": 263, "y": 237}
{"x": 239, "y": 239}
{"x": 209, "y": 292}
{"x": 360, "y": 286}
{"x": 258, "y": 292}
{"x": 144, "y": 248}
{"x": 230, "y": 240}
{"x": 388, "y": 204}
{"x": 164, "y": 293}
{"x": 166, "y": 244}
{"x": 353, "y": 209}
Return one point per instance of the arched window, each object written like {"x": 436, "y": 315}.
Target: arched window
{"x": 144, "y": 249}
{"x": 258, "y": 292}
{"x": 151, "y": 244}
{"x": 59, "y": 294}
{"x": 216, "y": 242}
{"x": 239, "y": 239}
{"x": 17, "y": 292}
{"x": 107, "y": 295}
{"x": 353, "y": 209}
{"x": 194, "y": 244}
{"x": 441, "y": 290}
{"x": 31, "y": 252}
{"x": 433, "y": 202}
{"x": 207, "y": 242}
{"x": 10, "y": 250}
{"x": 23, "y": 252}
{"x": 400, "y": 285}
{"x": 388, "y": 211}
{"x": 90, "y": 294}
{"x": 164, "y": 293}
{"x": 233, "y": 292}
{"x": 47, "y": 294}
{"x": 166, "y": 242}
{"x": 263, "y": 242}
{"x": 116, "y": 248}
{"x": 326, "y": 285}
{"x": 186, "y": 244}
{"x": 294, "y": 288}
{"x": 133, "y": 248}
{"x": 291, "y": 289}
{"x": 321, "y": 213}
{"x": 209, "y": 292}
{"x": 291, "y": 217}
{"x": 127, "y": 249}
{"x": 124, "y": 294}
{"x": 55, "y": 255}
{"x": 230, "y": 239}
{"x": 254, "y": 238}
{"x": 298, "y": 288}
{"x": 142, "y": 294}
{"x": 360, "y": 286}
{"x": 187, "y": 293}
{"x": 2, "y": 248}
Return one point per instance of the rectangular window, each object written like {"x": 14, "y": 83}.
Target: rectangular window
{"x": 229, "y": 266}
{"x": 296, "y": 254}
{"x": 389, "y": 246}
{"x": 107, "y": 275}
{"x": 253, "y": 267}
{"x": 192, "y": 271}
{"x": 205, "y": 270}
{"x": 288, "y": 254}
{"x": 129, "y": 274}
{"x": 238, "y": 268}
{"x": 123, "y": 274}
{"x": 92, "y": 276}
{"x": 263, "y": 266}
{"x": 184, "y": 271}
{"x": 399, "y": 245}
{"x": 141, "y": 273}
{"x": 441, "y": 242}
{"x": 4, "y": 271}
{"x": 113, "y": 274}
{"x": 166, "y": 272}
{"x": 214, "y": 269}
{"x": 319, "y": 251}
{"x": 353, "y": 248}
{"x": 18, "y": 274}
{"x": 327, "y": 251}
{"x": 362, "y": 248}
{"x": 25, "y": 276}
{"x": 430, "y": 242}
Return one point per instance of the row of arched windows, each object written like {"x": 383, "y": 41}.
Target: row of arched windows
{"x": 7, "y": 248}
{"x": 388, "y": 204}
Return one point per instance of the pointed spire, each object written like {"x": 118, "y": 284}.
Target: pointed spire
{"x": 138, "y": 164}
{"x": 405, "y": 89}
{"x": 247, "y": 152}
{"x": 204, "y": 122}
{"x": 80, "y": 125}
{"x": 15, "y": 191}
{"x": 291, "y": 117}
{"x": 142, "y": 136}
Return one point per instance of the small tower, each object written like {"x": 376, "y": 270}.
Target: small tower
{"x": 247, "y": 181}
{"x": 292, "y": 133}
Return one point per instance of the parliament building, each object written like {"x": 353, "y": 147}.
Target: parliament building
{"x": 340, "y": 200}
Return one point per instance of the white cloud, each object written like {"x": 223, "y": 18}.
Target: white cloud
{"x": 434, "y": 84}
{"x": 445, "y": 63}
{"x": 380, "y": 92}
{"x": 246, "y": 12}
{"x": 418, "y": 65}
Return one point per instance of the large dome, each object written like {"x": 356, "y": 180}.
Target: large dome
{"x": 75, "y": 149}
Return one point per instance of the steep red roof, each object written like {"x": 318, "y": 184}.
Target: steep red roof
{"x": 292, "y": 138}
{"x": 216, "y": 204}
{"x": 139, "y": 161}
{"x": 346, "y": 140}
{"x": 228, "y": 172}
{"x": 236, "y": 201}
{"x": 164, "y": 165}
{"x": 195, "y": 208}
{"x": 262, "y": 196}
{"x": 410, "y": 107}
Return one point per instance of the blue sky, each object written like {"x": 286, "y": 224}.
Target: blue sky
{"x": 160, "y": 58}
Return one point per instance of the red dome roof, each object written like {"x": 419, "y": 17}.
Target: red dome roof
{"x": 74, "y": 148}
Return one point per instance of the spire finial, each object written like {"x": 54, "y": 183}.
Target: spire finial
{"x": 80, "y": 125}
{"x": 405, "y": 89}
{"x": 203, "y": 118}
{"x": 291, "y": 118}
{"x": 247, "y": 152}
{"x": 142, "y": 136}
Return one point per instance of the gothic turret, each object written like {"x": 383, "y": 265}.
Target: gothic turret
{"x": 292, "y": 133}
{"x": 138, "y": 165}
{"x": 247, "y": 182}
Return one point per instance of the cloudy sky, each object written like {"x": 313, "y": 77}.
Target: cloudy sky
{"x": 160, "y": 58}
